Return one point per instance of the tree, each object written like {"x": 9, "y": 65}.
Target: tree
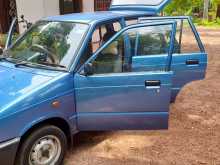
{"x": 206, "y": 10}
{"x": 218, "y": 11}
{"x": 183, "y": 7}
{"x": 216, "y": 7}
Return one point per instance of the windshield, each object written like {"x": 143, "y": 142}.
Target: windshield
{"x": 49, "y": 43}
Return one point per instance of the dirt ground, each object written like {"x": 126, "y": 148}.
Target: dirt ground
{"x": 193, "y": 137}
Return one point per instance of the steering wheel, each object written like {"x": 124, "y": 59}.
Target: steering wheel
{"x": 44, "y": 50}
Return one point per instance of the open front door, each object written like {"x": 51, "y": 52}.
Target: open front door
{"x": 189, "y": 60}
{"x": 150, "y": 6}
{"x": 110, "y": 96}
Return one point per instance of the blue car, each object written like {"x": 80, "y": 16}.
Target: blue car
{"x": 113, "y": 70}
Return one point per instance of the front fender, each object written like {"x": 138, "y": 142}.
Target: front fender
{"x": 17, "y": 124}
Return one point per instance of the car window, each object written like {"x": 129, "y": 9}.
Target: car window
{"x": 96, "y": 40}
{"x": 154, "y": 41}
{"x": 185, "y": 39}
{"x": 150, "y": 40}
{"x": 50, "y": 43}
{"x": 99, "y": 37}
{"x": 103, "y": 33}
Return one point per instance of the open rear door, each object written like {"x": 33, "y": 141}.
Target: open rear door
{"x": 150, "y": 6}
{"x": 189, "y": 59}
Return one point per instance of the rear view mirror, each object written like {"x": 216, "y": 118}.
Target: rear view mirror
{"x": 88, "y": 69}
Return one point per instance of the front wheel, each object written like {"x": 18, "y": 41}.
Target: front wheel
{"x": 45, "y": 146}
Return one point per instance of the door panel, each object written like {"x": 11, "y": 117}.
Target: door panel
{"x": 187, "y": 66}
{"x": 123, "y": 101}
{"x": 183, "y": 73}
{"x": 111, "y": 97}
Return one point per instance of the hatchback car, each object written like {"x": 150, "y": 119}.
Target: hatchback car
{"x": 113, "y": 70}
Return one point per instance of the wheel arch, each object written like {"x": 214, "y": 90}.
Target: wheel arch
{"x": 55, "y": 121}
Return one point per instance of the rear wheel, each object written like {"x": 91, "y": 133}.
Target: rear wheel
{"x": 45, "y": 146}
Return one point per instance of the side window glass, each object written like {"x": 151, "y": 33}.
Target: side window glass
{"x": 154, "y": 41}
{"x": 185, "y": 39}
{"x": 148, "y": 40}
{"x": 110, "y": 60}
{"x": 96, "y": 39}
{"x": 103, "y": 33}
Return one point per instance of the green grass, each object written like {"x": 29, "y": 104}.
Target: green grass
{"x": 206, "y": 23}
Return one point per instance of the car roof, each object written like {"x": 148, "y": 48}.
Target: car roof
{"x": 94, "y": 17}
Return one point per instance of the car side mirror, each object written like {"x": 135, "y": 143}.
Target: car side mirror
{"x": 1, "y": 51}
{"x": 88, "y": 69}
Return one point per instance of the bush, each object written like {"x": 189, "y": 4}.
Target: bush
{"x": 3, "y": 38}
{"x": 218, "y": 21}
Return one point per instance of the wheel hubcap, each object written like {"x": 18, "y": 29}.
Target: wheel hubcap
{"x": 46, "y": 151}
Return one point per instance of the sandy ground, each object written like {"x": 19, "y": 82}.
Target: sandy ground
{"x": 192, "y": 139}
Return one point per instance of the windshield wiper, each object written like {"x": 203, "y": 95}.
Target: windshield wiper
{"x": 41, "y": 65}
{"x": 5, "y": 59}
{"x": 2, "y": 58}
{"x": 23, "y": 63}
{"x": 53, "y": 65}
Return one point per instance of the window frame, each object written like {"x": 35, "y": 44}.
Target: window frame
{"x": 99, "y": 26}
{"x": 75, "y": 56}
{"x": 189, "y": 19}
{"x": 139, "y": 25}
{"x": 137, "y": 43}
{"x": 91, "y": 31}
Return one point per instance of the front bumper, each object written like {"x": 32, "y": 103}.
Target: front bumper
{"x": 8, "y": 151}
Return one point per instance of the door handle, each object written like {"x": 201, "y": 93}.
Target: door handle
{"x": 192, "y": 62}
{"x": 152, "y": 84}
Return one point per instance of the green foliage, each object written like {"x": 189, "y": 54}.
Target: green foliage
{"x": 194, "y": 8}
{"x": 201, "y": 22}
{"x": 218, "y": 21}
{"x": 190, "y": 7}
{"x": 3, "y": 38}
{"x": 183, "y": 7}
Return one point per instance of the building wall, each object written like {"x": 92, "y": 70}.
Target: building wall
{"x": 88, "y": 5}
{"x": 34, "y": 10}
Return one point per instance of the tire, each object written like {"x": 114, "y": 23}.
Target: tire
{"x": 49, "y": 142}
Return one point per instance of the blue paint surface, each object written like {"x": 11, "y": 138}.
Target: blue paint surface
{"x": 99, "y": 16}
{"x": 98, "y": 102}
{"x": 26, "y": 98}
{"x": 183, "y": 73}
{"x": 118, "y": 96}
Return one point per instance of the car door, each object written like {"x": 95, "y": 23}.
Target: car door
{"x": 189, "y": 60}
{"x": 110, "y": 96}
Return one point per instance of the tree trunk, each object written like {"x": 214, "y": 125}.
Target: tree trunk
{"x": 206, "y": 10}
{"x": 218, "y": 11}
